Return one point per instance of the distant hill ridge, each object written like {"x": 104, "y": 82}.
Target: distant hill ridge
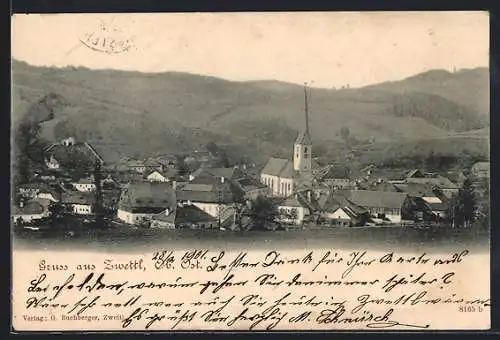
{"x": 173, "y": 111}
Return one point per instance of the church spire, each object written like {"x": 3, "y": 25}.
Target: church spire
{"x": 306, "y": 107}
{"x": 304, "y": 137}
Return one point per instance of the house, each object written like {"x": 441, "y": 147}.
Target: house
{"x": 30, "y": 211}
{"x": 292, "y": 210}
{"x": 444, "y": 184}
{"x": 190, "y": 216}
{"x": 136, "y": 166}
{"x": 383, "y": 205}
{"x": 336, "y": 176}
{"x": 208, "y": 175}
{"x": 425, "y": 201}
{"x": 69, "y": 154}
{"x": 30, "y": 190}
{"x": 416, "y": 190}
{"x": 153, "y": 164}
{"x": 78, "y": 203}
{"x": 140, "y": 201}
{"x": 481, "y": 170}
{"x": 415, "y": 173}
{"x": 49, "y": 193}
{"x": 338, "y": 211}
{"x": 85, "y": 184}
{"x": 368, "y": 170}
{"x": 243, "y": 183}
{"x": 162, "y": 176}
{"x": 457, "y": 177}
{"x": 164, "y": 219}
{"x": 426, "y": 209}
{"x": 252, "y": 188}
{"x": 216, "y": 199}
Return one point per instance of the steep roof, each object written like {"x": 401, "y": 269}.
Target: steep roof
{"x": 334, "y": 202}
{"x": 162, "y": 216}
{"x": 167, "y": 173}
{"x": 147, "y": 195}
{"x": 248, "y": 183}
{"x": 375, "y": 199}
{"x": 206, "y": 193}
{"x": 79, "y": 154}
{"x": 415, "y": 173}
{"x": 440, "y": 181}
{"x": 275, "y": 166}
{"x": 384, "y": 186}
{"x": 416, "y": 189}
{"x": 191, "y": 214}
{"x": 336, "y": 172}
{"x": 287, "y": 171}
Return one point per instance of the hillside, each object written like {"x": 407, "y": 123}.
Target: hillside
{"x": 468, "y": 87}
{"x": 136, "y": 114}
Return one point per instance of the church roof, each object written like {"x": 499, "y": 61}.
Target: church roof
{"x": 275, "y": 166}
{"x": 303, "y": 138}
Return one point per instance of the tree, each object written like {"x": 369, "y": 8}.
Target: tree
{"x": 344, "y": 133}
{"x": 264, "y": 213}
{"x": 25, "y": 135}
{"x": 464, "y": 205}
{"x": 182, "y": 167}
{"x": 98, "y": 202}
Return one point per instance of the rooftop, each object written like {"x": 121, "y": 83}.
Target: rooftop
{"x": 375, "y": 199}
{"x": 145, "y": 194}
{"x": 76, "y": 155}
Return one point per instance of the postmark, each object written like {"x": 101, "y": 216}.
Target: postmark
{"x": 107, "y": 38}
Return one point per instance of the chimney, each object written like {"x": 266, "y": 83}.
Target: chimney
{"x": 222, "y": 179}
{"x": 21, "y": 203}
{"x": 174, "y": 185}
{"x": 167, "y": 211}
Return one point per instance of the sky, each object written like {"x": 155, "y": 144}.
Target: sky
{"x": 324, "y": 49}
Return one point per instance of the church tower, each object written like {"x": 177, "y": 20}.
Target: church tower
{"x": 302, "y": 149}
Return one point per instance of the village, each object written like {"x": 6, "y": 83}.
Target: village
{"x": 198, "y": 191}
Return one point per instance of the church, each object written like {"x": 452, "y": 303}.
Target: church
{"x": 286, "y": 176}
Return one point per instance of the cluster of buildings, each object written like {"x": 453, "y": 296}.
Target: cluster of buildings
{"x": 153, "y": 193}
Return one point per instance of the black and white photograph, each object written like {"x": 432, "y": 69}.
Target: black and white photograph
{"x": 254, "y": 132}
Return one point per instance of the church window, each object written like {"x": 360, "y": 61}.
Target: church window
{"x": 305, "y": 149}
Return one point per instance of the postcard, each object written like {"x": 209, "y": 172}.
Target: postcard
{"x": 250, "y": 171}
